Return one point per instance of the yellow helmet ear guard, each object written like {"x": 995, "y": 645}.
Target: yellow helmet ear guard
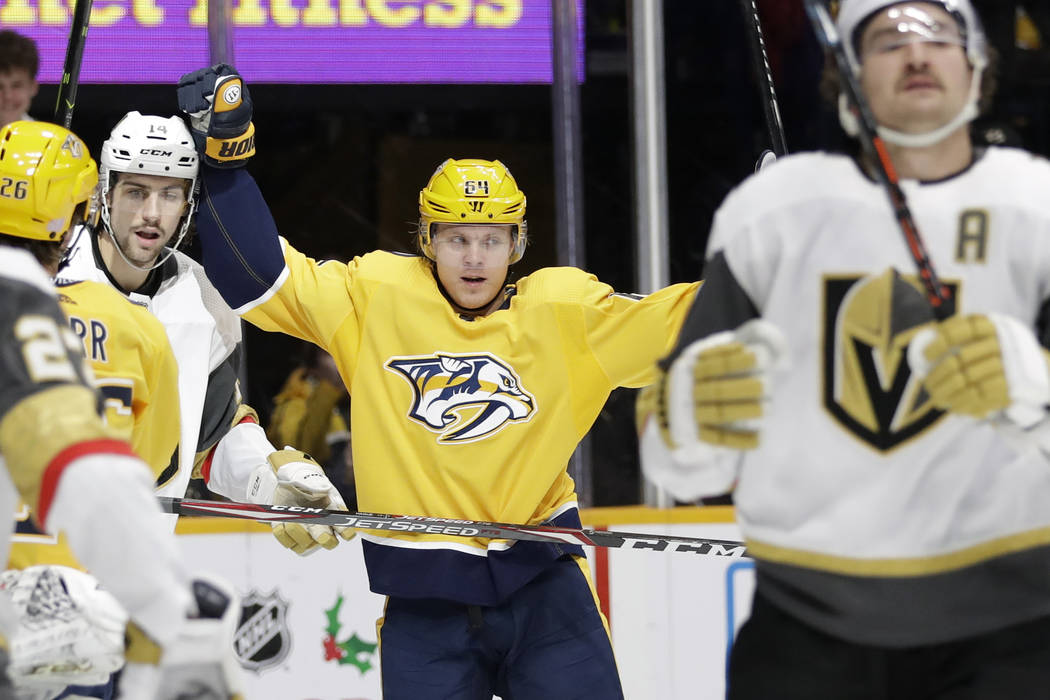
{"x": 46, "y": 174}
{"x": 472, "y": 191}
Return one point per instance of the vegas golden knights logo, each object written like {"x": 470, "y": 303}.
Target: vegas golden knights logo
{"x": 868, "y": 386}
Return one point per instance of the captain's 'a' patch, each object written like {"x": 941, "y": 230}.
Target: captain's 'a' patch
{"x": 868, "y": 386}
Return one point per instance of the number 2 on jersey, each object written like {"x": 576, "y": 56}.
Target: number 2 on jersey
{"x": 45, "y": 354}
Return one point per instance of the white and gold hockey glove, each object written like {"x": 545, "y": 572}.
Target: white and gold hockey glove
{"x": 200, "y": 662}
{"x": 708, "y": 407}
{"x": 70, "y": 631}
{"x": 986, "y": 366}
{"x": 293, "y": 478}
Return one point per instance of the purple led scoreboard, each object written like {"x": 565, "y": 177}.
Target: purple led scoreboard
{"x": 304, "y": 41}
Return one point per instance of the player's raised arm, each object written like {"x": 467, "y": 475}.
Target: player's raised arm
{"x": 243, "y": 255}
{"x": 249, "y": 254}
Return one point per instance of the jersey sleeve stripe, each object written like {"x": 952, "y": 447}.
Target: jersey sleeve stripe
{"x": 53, "y": 472}
{"x": 266, "y": 296}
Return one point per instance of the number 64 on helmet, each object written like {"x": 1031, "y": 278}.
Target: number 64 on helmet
{"x": 472, "y": 192}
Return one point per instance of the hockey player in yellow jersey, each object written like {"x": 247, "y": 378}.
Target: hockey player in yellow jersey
{"x": 79, "y": 476}
{"x": 469, "y": 394}
{"x": 135, "y": 369}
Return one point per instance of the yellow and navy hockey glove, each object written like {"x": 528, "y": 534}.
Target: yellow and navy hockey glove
{"x": 220, "y": 111}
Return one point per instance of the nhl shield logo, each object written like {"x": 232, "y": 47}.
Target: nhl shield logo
{"x": 262, "y": 638}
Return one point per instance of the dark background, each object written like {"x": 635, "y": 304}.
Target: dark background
{"x": 341, "y": 166}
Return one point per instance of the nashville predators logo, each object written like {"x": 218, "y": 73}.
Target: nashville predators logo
{"x": 464, "y": 397}
{"x": 868, "y": 386}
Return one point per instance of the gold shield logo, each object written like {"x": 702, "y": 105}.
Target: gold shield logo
{"x": 868, "y": 386}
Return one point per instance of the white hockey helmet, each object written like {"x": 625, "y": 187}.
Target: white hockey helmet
{"x": 155, "y": 146}
{"x": 852, "y": 17}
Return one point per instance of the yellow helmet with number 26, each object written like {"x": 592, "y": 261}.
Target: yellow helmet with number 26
{"x": 46, "y": 173}
{"x": 472, "y": 192}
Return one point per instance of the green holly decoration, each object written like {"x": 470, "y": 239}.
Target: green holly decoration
{"x": 348, "y": 651}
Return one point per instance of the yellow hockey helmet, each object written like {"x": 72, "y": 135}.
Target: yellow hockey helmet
{"x": 472, "y": 192}
{"x": 46, "y": 172}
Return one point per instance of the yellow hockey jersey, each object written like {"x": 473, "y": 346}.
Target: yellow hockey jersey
{"x": 136, "y": 374}
{"x": 471, "y": 418}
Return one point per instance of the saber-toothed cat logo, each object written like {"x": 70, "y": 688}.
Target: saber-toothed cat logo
{"x": 464, "y": 398}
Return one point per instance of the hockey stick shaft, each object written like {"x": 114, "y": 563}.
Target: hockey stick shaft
{"x": 764, "y": 76}
{"x": 448, "y": 526}
{"x": 875, "y": 148}
{"x": 67, "y": 89}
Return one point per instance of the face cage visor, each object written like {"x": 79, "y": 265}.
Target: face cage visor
{"x": 915, "y": 25}
{"x": 912, "y": 25}
{"x": 106, "y": 184}
{"x": 518, "y": 235}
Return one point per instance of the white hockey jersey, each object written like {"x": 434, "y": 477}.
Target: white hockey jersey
{"x": 872, "y": 515}
{"x": 205, "y": 336}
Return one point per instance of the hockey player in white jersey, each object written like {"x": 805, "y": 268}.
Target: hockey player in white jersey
{"x": 891, "y": 473}
{"x": 57, "y": 455}
{"x": 147, "y": 194}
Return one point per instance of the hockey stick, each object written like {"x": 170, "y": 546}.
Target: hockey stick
{"x": 936, "y": 293}
{"x": 448, "y": 526}
{"x": 764, "y": 76}
{"x": 67, "y": 89}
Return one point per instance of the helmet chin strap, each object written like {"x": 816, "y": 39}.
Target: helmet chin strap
{"x": 899, "y": 138}
{"x": 163, "y": 259}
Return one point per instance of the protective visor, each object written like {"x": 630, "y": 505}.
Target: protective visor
{"x": 911, "y": 24}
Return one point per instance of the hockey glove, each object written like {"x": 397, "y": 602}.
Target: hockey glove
{"x": 222, "y": 128}
{"x": 200, "y": 663}
{"x": 984, "y": 366}
{"x": 707, "y": 408}
{"x": 70, "y": 631}
{"x": 293, "y": 478}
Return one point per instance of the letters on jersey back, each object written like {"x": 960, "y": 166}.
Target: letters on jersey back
{"x": 868, "y": 386}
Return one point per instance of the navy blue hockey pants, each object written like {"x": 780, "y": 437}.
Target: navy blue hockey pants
{"x": 548, "y": 640}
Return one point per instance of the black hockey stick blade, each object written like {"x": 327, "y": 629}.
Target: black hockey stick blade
{"x": 450, "y": 526}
